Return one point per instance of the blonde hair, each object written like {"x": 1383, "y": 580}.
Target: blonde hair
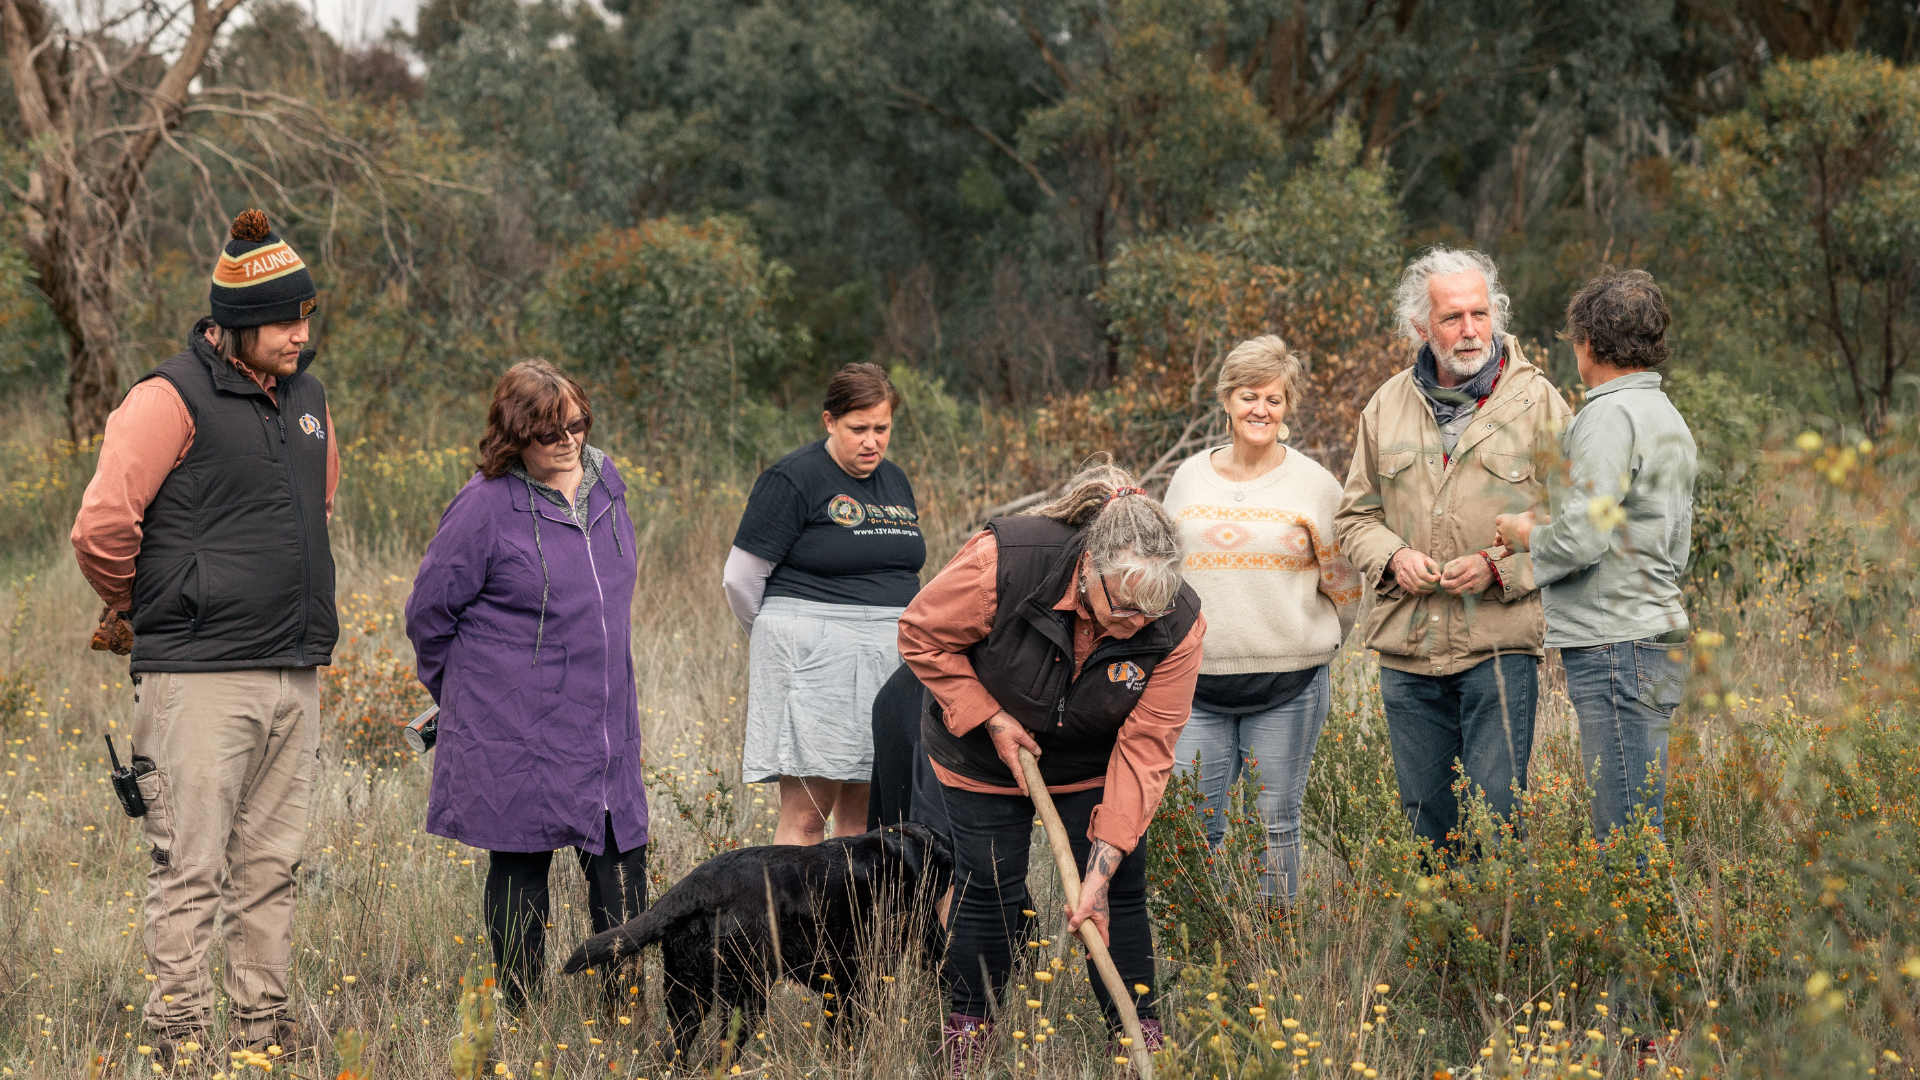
{"x": 1131, "y": 535}
{"x": 1257, "y": 362}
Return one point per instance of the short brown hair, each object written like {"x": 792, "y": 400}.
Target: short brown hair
{"x": 530, "y": 398}
{"x": 1622, "y": 317}
{"x": 859, "y": 386}
{"x": 1257, "y": 362}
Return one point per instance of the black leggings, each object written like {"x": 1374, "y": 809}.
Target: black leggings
{"x": 517, "y": 909}
{"x": 991, "y": 835}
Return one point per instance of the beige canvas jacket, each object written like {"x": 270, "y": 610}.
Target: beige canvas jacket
{"x": 1402, "y": 492}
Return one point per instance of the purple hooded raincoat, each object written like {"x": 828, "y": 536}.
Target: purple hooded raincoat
{"x": 524, "y": 642}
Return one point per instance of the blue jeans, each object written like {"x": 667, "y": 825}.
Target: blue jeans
{"x": 1278, "y": 744}
{"x": 1625, "y": 694}
{"x": 1481, "y": 717}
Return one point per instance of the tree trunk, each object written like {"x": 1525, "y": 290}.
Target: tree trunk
{"x": 91, "y": 140}
{"x": 93, "y": 365}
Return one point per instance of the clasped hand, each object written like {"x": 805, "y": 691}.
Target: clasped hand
{"x": 1418, "y": 573}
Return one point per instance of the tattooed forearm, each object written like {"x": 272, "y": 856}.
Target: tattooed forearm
{"x": 1103, "y": 860}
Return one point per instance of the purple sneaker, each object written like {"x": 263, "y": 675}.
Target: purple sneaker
{"x": 964, "y": 1040}
{"x": 1150, "y": 1029}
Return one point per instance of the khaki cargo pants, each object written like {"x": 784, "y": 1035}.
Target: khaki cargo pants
{"x": 235, "y": 754}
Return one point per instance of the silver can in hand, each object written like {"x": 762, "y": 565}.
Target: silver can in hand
{"x": 423, "y": 730}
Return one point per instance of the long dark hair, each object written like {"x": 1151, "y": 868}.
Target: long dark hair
{"x": 530, "y": 398}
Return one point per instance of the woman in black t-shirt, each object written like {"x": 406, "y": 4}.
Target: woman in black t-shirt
{"x": 827, "y": 556}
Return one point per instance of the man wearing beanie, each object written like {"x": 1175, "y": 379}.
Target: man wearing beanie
{"x": 204, "y": 530}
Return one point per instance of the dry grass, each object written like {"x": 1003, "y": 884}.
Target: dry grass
{"x": 388, "y": 920}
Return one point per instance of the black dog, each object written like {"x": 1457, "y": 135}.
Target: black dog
{"x": 833, "y": 905}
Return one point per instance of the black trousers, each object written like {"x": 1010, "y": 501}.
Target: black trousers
{"x": 896, "y": 743}
{"x": 991, "y": 836}
{"x": 518, "y": 911}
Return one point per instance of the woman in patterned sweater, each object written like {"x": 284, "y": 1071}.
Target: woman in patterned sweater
{"x": 1256, "y": 522}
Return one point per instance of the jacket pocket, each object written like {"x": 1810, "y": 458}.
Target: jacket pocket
{"x": 1395, "y": 463}
{"x": 1513, "y": 468}
{"x": 190, "y": 605}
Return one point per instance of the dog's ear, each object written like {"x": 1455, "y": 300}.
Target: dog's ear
{"x": 935, "y": 852}
{"x": 898, "y": 846}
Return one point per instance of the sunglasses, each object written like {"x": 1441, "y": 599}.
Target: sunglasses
{"x": 575, "y": 429}
{"x": 1126, "y": 613}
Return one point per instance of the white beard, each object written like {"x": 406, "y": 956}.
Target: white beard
{"x": 1459, "y": 369}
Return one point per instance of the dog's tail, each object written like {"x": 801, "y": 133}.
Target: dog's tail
{"x": 644, "y": 929}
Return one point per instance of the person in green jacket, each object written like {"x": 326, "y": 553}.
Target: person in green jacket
{"x": 1610, "y": 561}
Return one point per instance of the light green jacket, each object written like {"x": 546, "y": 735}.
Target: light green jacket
{"x": 1611, "y": 561}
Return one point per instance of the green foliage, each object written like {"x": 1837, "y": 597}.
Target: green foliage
{"x": 1197, "y": 893}
{"x": 1176, "y": 132}
{"x": 1352, "y": 804}
{"x": 673, "y": 318}
{"x": 1738, "y": 527}
{"x": 467, "y": 1058}
{"x": 505, "y": 85}
{"x": 1809, "y": 206}
{"x": 1333, "y": 220}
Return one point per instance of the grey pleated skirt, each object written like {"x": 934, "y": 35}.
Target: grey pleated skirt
{"x": 812, "y": 672}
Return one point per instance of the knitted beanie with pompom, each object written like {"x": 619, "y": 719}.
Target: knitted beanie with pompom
{"x": 259, "y": 279}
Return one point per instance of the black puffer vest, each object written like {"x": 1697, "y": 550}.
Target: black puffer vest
{"x": 234, "y": 569}
{"x": 1026, "y": 663}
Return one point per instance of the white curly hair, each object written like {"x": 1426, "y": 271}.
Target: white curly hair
{"x": 1413, "y": 301}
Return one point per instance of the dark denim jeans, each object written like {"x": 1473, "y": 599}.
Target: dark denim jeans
{"x": 1625, "y": 694}
{"x": 1481, "y": 717}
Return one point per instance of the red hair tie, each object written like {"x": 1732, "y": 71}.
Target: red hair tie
{"x": 1118, "y": 492}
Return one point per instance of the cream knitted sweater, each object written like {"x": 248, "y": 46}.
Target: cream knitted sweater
{"x": 1278, "y": 594}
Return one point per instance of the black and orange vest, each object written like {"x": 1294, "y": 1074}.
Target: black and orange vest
{"x": 1026, "y": 663}
{"x": 234, "y": 569}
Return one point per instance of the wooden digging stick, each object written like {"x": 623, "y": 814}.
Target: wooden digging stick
{"x": 1089, "y": 933}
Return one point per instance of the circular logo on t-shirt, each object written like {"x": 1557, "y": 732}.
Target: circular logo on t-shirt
{"x": 846, "y": 510}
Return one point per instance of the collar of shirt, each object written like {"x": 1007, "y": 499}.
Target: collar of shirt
{"x": 264, "y": 382}
{"x": 1639, "y": 380}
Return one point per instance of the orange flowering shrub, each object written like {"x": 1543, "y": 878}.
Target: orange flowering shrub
{"x": 370, "y": 690}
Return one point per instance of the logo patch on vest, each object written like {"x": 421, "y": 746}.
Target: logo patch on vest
{"x": 846, "y": 510}
{"x": 1126, "y": 671}
{"x": 311, "y": 426}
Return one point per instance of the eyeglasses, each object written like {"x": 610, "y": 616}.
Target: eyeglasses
{"x": 1125, "y": 613}
{"x": 575, "y": 429}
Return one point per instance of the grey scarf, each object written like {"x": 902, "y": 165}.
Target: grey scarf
{"x": 1453, "y": 406}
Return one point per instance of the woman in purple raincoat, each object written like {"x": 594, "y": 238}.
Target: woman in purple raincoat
{"x": 520, "y": 621}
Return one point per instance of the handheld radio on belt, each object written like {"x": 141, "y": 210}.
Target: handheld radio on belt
{"x": 126, "y": 780}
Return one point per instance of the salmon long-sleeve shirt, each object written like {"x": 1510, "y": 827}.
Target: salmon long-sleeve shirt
{"x": 147, "y": 437}
{"x": 956, "y": 609}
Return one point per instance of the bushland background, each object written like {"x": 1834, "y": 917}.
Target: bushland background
{"x": 1049, "y": 219}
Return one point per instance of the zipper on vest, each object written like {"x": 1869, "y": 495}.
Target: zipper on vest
{"x": 300, "y": 526}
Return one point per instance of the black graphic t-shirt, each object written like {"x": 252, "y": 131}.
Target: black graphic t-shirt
{"x": 834, "y": 539}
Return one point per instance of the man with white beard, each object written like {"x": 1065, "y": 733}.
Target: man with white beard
{"x": 1464, "y": 435}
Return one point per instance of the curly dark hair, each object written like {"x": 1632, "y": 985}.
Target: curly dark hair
{"x": 530, "y": 398}
{"x": 1622, "y": 317}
